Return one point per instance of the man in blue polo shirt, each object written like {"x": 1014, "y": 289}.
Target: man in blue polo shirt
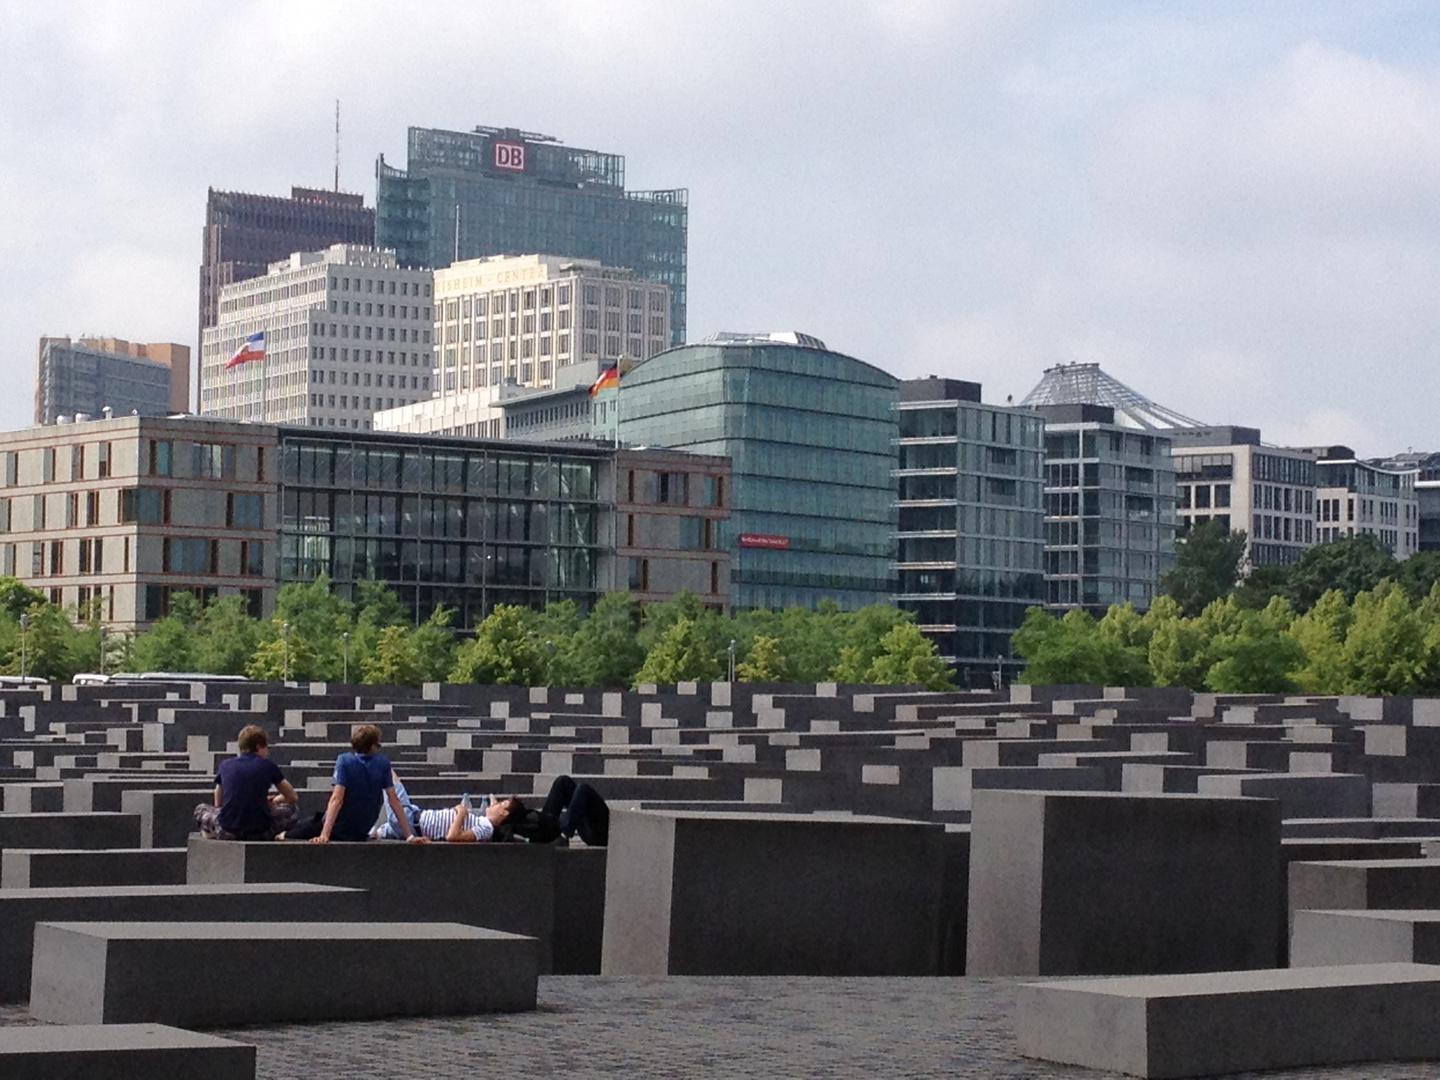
{"x": 362, "y": 783}
{"x": 244, "y": 809}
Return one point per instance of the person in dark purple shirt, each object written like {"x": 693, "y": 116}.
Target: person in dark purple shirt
{"x": 244, "y": 809}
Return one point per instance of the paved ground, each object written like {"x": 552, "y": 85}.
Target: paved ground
{"x": 716, "y": 1027}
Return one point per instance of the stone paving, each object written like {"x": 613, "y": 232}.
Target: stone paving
{"x": 713, "y": 1027}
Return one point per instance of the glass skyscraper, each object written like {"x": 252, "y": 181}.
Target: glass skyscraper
{"x": 499, "y": 191}
{"x": 970, "y": 525}
{"x": 811, "y": 437}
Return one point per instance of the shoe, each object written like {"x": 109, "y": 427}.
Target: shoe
{"x": 562, "y": 841}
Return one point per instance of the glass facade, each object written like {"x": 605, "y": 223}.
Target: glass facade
{"x": 810, "y": 434}
{"x": 1109, "y": 515}
{"x": 493, "y": 191}
{"x": 971, "y": 539}
{"x": 441, "y": 523}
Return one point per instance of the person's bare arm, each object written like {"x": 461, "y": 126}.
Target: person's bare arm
{"x": 403, "y": 818}
{"x": 287, "y": 792}
{"x": 332, "y": 811}
{"x": 219, "y": 795}
{"x": 459, "y": 831}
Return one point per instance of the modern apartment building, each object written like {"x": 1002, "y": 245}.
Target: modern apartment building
{"x": 245, "y": 233}
{"x": 1356, "y": 497}
{"x": 115, "y": 516}
{"x": 1227, "y": 474}
{"x": 810, "y": 434}
{"x": 1109, "y": 509}
{"x": 500, "y": 191}
{"x": 91, "y": 375}
{"x": 343, "y": 333}
{"x": 971, "y": 522}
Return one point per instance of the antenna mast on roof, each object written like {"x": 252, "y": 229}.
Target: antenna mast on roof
{"x": 337, "y": 144}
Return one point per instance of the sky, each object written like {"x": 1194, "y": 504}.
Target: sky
{"x": 1233, "y": 207}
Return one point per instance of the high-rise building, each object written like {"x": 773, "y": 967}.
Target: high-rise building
{"x": 344, "y": 332}
{"x": 971, "y": 534}
{"x": 811, "y": 438}
{"x": 1109, "y": 488}
{"x": 499, "y": 191}
{"x": 91, "y": 375}
{"x": 245, "y": 233}
{"x": 1225, "y": 474}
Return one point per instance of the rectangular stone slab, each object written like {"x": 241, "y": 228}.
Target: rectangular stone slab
{"x": 213, "y": 974}
{"x": 50, "y": 868}
{"x": 21, "y": 909}
{"x": 1174, "y": 1026}
{"x": 1323, "y": 938}
{"x": 121, "y": 1052}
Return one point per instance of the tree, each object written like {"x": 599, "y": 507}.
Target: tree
{"x": 317, "y": 616}
{"x": 605, "y": 649}
{"x": 1253, "y": 656}
{"x": 1207, "y": 566}
{"x": 1320, "y": 633}
{"x": 1260, "y": 584}
{"x": 503, "y": 650}
{"x": 279, "y": 651}
{"x": 908, "y": 656}
{"x": 48, "y": 643}
{"x": 811, "y": 640}
{"x": 433, "y": 643}
{"x": 1179, "y": 650}
{"x": 1072, "y": 650}
{"x": 169, "y": 645}
{"x": 227, "y": 637}
{"x": 1419, "y": 574}
{"x": 682, "y": 654}
{"x": 395, "y": 661}
{"x": 764, "y": 663}
{"x": 861, "y": 634}
{"x": 1352, "y": 564}
{"x": 1386, "y": 651}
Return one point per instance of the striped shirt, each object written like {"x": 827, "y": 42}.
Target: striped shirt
{"x": 435, "y": 824}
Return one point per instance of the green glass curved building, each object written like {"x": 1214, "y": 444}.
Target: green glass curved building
{"x": 810, "y": 434}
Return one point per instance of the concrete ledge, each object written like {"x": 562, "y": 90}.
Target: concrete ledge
{"x": 1364, "y": 884}
{"x": 507, "y": 887}
{"x": 91, "y": 831}
{"x": 121, "y": 1052}
{"x": 50, "y": 868}
{"x": 1326, "y": 938}
{"x": 21, "y": 909}
{"x": 1171, "y": 1026}
{"x": 275, "y": 972}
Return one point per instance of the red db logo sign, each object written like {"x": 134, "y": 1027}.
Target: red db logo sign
{"x": 510, "y": 156}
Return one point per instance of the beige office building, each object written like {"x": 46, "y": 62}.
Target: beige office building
{"x": 112, "y": 516}
{"x": 347, "y": 332}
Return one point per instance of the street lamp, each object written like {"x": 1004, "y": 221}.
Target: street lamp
{"x": 24, "y": 626}
{"x": 345, "y": 646}
{"x": 285, "y": 637}
{"x": 731, "y": 651}
{"x": 102, "y": 648}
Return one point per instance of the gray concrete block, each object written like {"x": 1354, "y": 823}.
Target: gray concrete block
{"x": 1324, "y": 938}
{"x": 92, "y": 830}
{"x": 1364, "y": 885}
{"x": 275, "y": 972}
{"x": 40, "y": 868}
{"x": 1069, "y": 883}
{"x": 1173, "y": 1026}
{"x": 21, "y": 909}
{"x": 167, "y": 817}
{"x": 1301, "y": 795}
{"x": 121, "y": 1052}
{"x": 507, "y": 887}
{"x": 771, "y": 894}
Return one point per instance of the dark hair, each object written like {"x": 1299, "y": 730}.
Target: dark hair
{"x": 365, "y": 738}
{"x": 517, "y": 808}
{"x": 252, "y": 738}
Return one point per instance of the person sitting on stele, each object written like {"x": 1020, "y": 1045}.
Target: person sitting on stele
{"x": 243, "y": 808}
{"x": 363, "y": 781}
{"x": 460, "y": 824}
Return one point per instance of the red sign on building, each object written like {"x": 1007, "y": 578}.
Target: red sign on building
{"x": 509, "y": 155}
{"x": 765, "y": 540}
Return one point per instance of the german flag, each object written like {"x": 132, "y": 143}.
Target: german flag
{"x": 608, "y": 378}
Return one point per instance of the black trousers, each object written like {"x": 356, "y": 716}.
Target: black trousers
{"x": 577, "y": 808}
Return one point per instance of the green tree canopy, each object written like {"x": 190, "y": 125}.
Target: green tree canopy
{"x": 1207, "y": 566}
{"x": 683, "y": 653}
{"x": 1352, "y": 564}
